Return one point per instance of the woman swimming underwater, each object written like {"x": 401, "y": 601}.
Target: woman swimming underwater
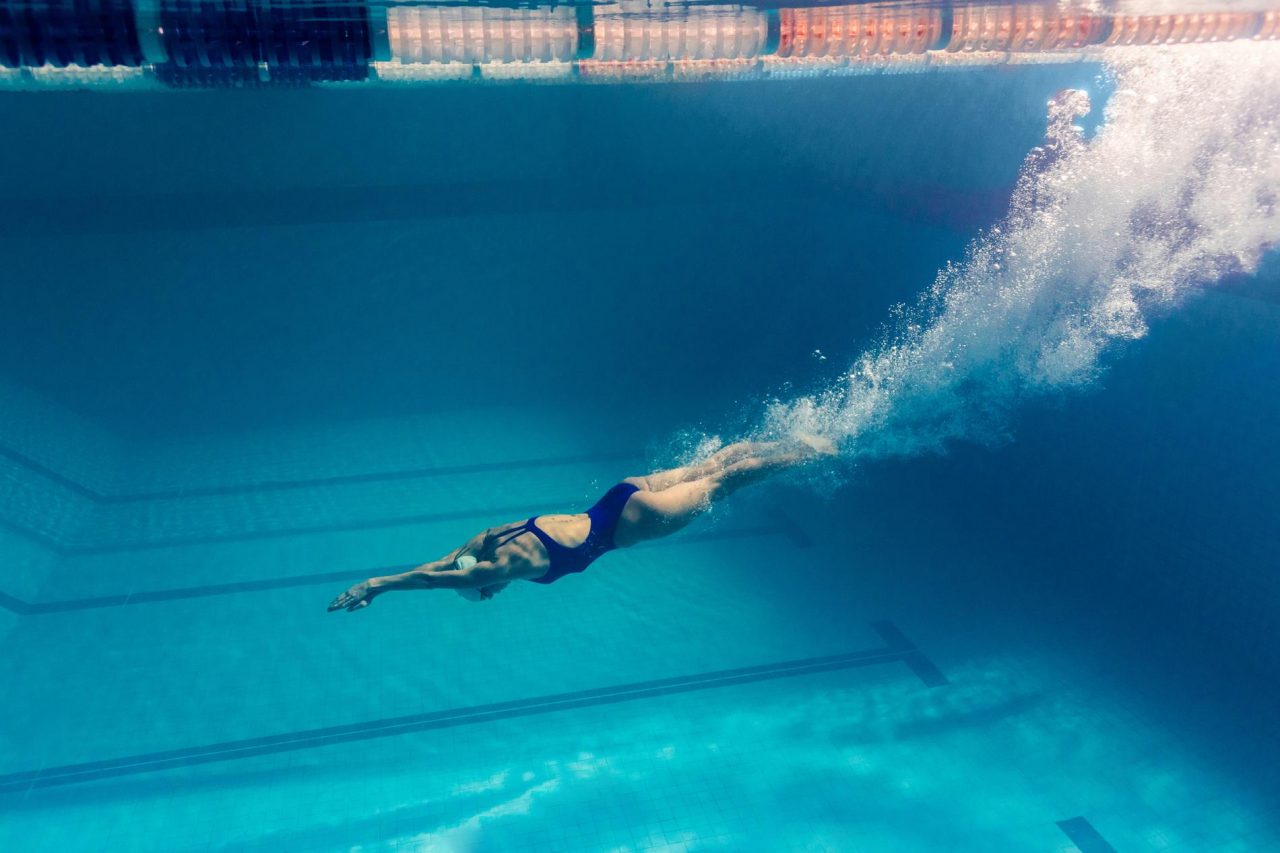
{"x": 545, "y": 548}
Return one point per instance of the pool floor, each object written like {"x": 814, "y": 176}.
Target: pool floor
{"x": 777, "y": 677}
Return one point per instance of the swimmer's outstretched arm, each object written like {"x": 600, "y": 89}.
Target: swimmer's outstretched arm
{"x": 427, "y": 576}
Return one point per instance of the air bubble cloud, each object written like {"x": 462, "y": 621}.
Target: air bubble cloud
{"x": 1179, "y": 187}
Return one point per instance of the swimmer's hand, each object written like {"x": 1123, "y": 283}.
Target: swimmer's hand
{"x": 356, "y": 598}
{"x": 482, "y": 593}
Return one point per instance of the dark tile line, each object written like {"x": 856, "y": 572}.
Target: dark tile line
{"x": 14, "y": 605}
{"x": 48, "y": 473}
{"x": 306, "y": 740}
{"x": 311, "y": 482}
{"x": 373, "y": 524}
{"x": 471, "y": 715}
{"x": 797, "y": 534}
{"x": 311, "y": 529}
{"x": 42, "y": 539}
{"x": 1084, "y": 836}
{"x": 64, "y": 550}
{"x": 40, "y": 608}
{"x": 895, "y": 638}
{"x": 912, "y": 657}
{"x": 925, "y": 670}
{"x": 873, "y": 655}
{"x": 251, "y": 535}
{"x": 375, "y": 477}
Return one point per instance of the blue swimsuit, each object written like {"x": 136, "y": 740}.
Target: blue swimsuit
{"x": 564, "y": 560}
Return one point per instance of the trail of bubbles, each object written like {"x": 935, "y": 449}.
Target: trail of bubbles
{"x": 1179, "y": 187}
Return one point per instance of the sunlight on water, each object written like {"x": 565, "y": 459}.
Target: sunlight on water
{"x": 1179, "y": 187}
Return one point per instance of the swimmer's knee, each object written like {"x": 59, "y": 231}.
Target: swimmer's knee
{"x": 641, "y": 483}
{"x": 733, "y": 475}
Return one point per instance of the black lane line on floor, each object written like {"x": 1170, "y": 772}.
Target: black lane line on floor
{"x": 314, "y": 482}
{"x": 48, "y": 473}
{"x": 912, "y": 657}
{"x": 312, "y": 529}
{"x": 39, "y": 608}
{"x": 283, "y": 532}
{"x": 792, "y": 530}
{"x": 61, "y": 548}
{"x": 44, "y": 540}
{"x": 69, "y": 774}
{"x": 14, "y": 605}
{"x": 1084, "y": 836}
{"x": 384, "y": 477}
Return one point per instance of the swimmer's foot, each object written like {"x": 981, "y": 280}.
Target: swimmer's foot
{"x": 817, "y": 444}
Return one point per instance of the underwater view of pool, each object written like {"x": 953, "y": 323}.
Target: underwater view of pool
{"x": 298, "y": 295}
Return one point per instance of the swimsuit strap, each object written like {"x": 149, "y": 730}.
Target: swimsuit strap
{"x": 530, "y": 526}
{"x": 553, "y": 547}
{"x": 502, "y": 537}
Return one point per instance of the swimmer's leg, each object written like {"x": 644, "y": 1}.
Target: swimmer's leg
{"x": 652, "y": 514}
{"x": 717, "y": 461}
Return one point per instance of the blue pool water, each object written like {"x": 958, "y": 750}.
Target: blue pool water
{"x": 256, "y": 347}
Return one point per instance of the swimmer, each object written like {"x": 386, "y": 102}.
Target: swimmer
{"x": 545, "y": 548}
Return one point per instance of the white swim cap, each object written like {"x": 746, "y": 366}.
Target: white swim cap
{"x": 463, "y": 563}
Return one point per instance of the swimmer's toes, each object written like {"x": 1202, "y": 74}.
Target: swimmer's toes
{"x": 818, "y": 444}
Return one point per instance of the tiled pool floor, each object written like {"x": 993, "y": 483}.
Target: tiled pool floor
{"x": 728, "y": 689}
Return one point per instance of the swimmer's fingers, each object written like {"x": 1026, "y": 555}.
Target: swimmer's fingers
{"x": 353, "y": 599}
